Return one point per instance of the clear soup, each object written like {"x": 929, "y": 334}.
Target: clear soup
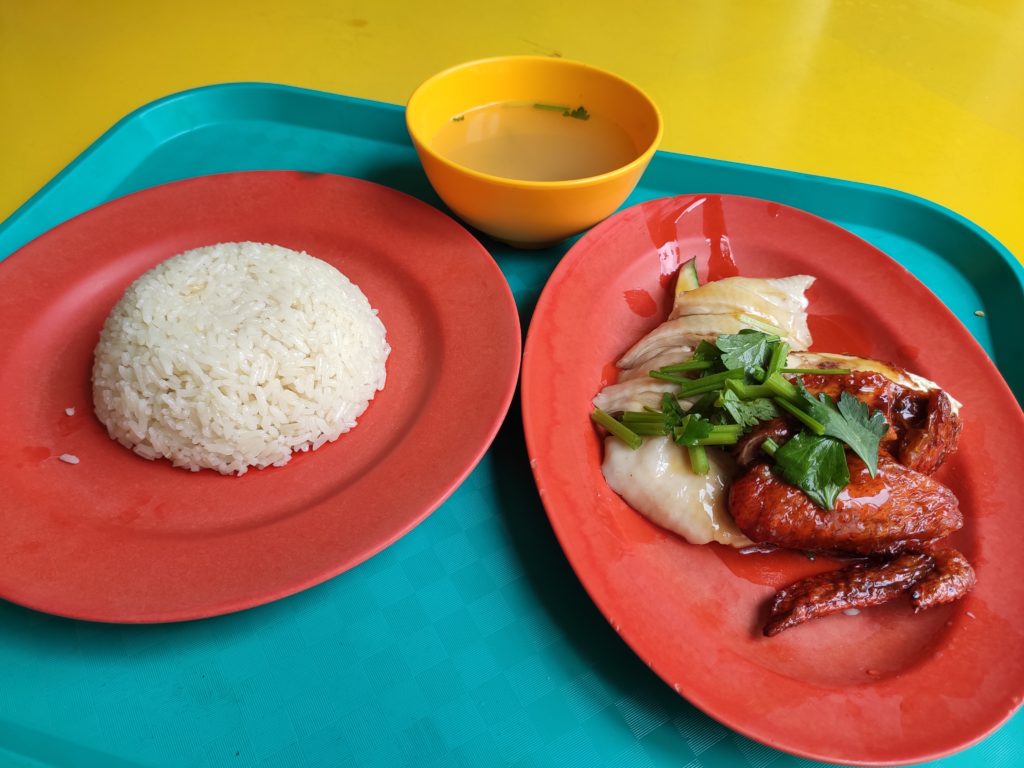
{"x": 534, "y": 142}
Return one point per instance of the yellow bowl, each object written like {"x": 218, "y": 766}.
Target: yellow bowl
{"x": 531, "y": 214}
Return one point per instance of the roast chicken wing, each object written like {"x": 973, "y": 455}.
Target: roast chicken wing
{"x": 924, "y": 427}
{"x": 898, "y": 509}
{"x": 952, "y": 578}
{"x": 899, "y": 514}
{"x": 925, "y": 446}
{"x": 857, "y": 586}
{"x": 933, "y": 578}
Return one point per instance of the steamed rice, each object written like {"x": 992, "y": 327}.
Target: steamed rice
{"x": 234, "y": 356}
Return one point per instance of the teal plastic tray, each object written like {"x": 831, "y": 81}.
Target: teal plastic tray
{"x": 469, "y": 641}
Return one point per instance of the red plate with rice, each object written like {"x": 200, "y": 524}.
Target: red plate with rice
{"x": 118, "y": 538}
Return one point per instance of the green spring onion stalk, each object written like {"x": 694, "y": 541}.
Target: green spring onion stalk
{"x": 689, "y": 365}
{"x": 617, "y": 428}
{"x": 782, "y": 388}
{"x": 669, "y": 377}
{"x": 718, "y": 434}
{"x": 690, "y": 387}
{"x": 637, "y": 417}
{"x": 750, "y": 391}
{"x": 819, "y": 371}
{"x": 778, "y": 359}
{"x": 719, "y": 438}
{"x": 698, "y": 459}
{"x": 811, "y": 423}
{"x": 648, "y": 429}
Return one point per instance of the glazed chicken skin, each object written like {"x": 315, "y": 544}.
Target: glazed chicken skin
{"x": 924, "y": 427}
{"x": 899, "y": 514}
{"x": 925, "y": 446}
{"x": 932, "y": 578}
{"x": 858, "y": 586}
{"x": 896, "y": 510}
{"x": 950, "y": 579}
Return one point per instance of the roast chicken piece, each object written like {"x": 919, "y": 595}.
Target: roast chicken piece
{"x": 952, "y": 578}
{"x": 898, "y": 404}
{"x": 932, "y": 578}
{"x": 926, "y": 446}
{"x": 899, "y": 513}
{"x": 924, "y": 426}
{"x": 858, "y": 586}
{"x": 898, "y": 509}
{"x": 901, "y": 376}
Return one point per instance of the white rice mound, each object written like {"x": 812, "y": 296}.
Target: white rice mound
{"x": 235, "y": 355}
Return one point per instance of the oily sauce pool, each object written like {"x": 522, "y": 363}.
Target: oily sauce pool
{"x": 534, "y": 142}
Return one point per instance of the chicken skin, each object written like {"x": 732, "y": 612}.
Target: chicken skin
{"x": 898, "y": 509}
{"x": 899, "y": 514}
{"x": 932, "y": 578}
{"x": 858, "y": 586}
{"x": 924, "y": 427}
{"x": 950, "y": 579}
{"x": 926, "y": 446}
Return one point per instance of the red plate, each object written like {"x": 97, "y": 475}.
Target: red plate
{"x": 119, "y": 538}
{"x": 882, "y": 687}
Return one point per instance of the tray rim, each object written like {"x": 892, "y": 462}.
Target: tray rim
{"x": 1016, "y": 265}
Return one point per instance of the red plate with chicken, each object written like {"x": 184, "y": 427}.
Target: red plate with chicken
{"x": 785, "y": 473}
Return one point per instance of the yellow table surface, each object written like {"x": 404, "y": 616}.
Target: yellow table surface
{"x": 926, "y": 97}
